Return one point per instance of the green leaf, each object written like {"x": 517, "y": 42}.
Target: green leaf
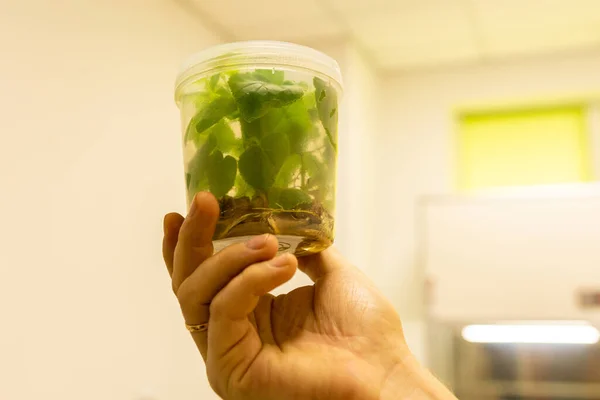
{"x": 226, "y": 142}
{"x": 197, "y": 167}
{"x": 270, "y": 75}
{"x": 198, "y": 163}
{"x": 277, "y": 147}
{"x": 273, "y": 197}
{"x": 290, "y": 168}
{"x": 292, "y": 198}
{"x": 310, "y": 102}
{"x": 327, "y": 106}
{"x": 257, "y": 169}
{"x": 190, "y": 131}
{"x": 212, "y": 107}
{"x": 261, "y": 161}
{"x": 214, "y": 80}
{"x": 294, "y": 121}
{"x": 319, "y": 178}
{"x": 255, "y": 97}
{"x": 242, "y": 188}
{"x": 251, "y": 131}
{"x": 221, "y": 173}
{"x": 212, "y": 113}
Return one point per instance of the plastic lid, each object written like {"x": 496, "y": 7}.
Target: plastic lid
{"x": 260, "y": 53}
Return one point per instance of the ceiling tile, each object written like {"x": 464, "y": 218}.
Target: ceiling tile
{"x": 430, "y": 33}
{"x": 536, "y": 12}
{"x": 509, "y": 28}
{"x": 413, "y": 33}
{"x": 418, "y": 57}
{"x": 290, "y": 30}
{"x": 417, "y": 26}
{"x": 524, "y": 41}
{"x": 234, "y": 14}
{"x": 366, "y": 8}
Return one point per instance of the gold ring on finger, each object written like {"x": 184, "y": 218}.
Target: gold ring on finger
{"x": 197, "y": 328}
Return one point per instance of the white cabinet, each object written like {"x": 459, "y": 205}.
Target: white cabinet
{"x": 517, "y": 256}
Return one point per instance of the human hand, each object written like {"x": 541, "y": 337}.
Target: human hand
{"x": 338, "y": 339}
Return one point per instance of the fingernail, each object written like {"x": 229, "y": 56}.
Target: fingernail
{"x": 193, "y": 207}
{"x": 257, "y": 242}
{"x": 280, "y": 261}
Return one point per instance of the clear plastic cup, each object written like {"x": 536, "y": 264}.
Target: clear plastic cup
{"x": 260, "y": 128}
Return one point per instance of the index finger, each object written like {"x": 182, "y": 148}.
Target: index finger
{"x": 194, "y": 243}
{"x": 171, "y": 225}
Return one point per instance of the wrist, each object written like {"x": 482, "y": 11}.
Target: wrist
{"x": 409, "y": 380}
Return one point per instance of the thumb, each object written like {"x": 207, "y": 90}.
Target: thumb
{"x": 319, "y": 265}
{"x": 233, "y": 342}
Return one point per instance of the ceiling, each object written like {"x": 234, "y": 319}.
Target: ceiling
{"x": 412, "y": 34}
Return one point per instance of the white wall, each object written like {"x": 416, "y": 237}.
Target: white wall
{"x": 355, "y": 201}
{"x": 491, "y": 248}
{"x": 415, "y": 156}
{"x": 89, "y": 150}
{"x": 89, "y": 147}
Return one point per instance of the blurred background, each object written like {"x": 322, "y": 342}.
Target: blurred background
{"x": 469, "y": 155}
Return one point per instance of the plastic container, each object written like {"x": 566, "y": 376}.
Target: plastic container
{"x": 260, "y": 128}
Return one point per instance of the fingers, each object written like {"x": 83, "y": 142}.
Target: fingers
{"x": 195, "y": 237}
{"x": 316, "y": 266}
{"x": 230, "y": 331}
{"x": 171, "y": 225}
{"x": 240, "y": 296}
{"x": 197, "y": 292}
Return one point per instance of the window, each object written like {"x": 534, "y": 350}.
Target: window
{"x": 524, "y": 147}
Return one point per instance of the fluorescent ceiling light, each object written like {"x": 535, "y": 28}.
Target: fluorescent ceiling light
{"x": 535, "y": 333}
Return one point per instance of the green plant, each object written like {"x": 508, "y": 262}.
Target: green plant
{"x": 262, "y": 135}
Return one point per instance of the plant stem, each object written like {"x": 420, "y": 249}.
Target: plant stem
{"x": 302, "y": 174}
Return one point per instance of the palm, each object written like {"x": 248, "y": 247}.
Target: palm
{"x": 324, "y": 333}
{"x": 338, "y": 339}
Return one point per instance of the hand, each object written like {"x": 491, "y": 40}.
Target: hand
{"x": 338, "y": 339}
